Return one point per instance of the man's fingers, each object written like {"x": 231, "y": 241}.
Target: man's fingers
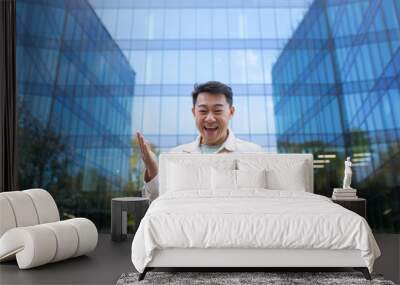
{"x": 140, "y": 139}
{"x": 147, "y": 147}
{"x": 141, "y": 143}
{"x": 144, "y": 146}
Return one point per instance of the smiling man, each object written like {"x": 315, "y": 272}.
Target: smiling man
{"x": 212, "y": 110}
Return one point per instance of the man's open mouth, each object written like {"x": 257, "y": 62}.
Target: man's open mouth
{"x": 210, "y": 129}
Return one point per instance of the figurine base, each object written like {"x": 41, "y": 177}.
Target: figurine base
{"x": 344, "y": 189}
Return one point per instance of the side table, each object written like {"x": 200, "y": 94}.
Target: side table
{"x": 358, "y": 206}
{"x": 120, "y": 208}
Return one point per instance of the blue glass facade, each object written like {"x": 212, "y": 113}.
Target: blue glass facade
{"x": 75, "y": 90}
{"x": 337, "y": 93}
{"x": 92, "y": 73}
{"x": 174, "y": 44}
{"x": 308, "y": 76}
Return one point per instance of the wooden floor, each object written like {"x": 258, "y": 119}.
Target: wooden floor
{"x": 111, "y": 259}
{"x": 103, "y": 266}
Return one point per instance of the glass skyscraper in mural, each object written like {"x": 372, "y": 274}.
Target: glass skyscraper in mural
{"x": 75, "y": 91}
{"x": 174, "y": 44}
{"x": 305, "y": 79}
{"x": 336, "y": 94}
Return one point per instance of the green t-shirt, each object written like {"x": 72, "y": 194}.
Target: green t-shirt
{"x": 207, "y": 149}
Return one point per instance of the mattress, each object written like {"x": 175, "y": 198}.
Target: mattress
{"x": 250, "y": 219}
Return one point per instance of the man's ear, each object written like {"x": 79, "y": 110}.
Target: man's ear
{"x": 193, "y": 112}
{"x": 232, "y": 111}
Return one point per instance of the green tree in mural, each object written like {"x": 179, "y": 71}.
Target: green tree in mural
{"x": 45, "y": 161}
{"x": 43, "y": 157}
{"x": 328, "y": 177}
{"x": 377, "y": 182}
{"x": 133, "y": 188}
{"x": 134, "y": 185}
{"x": 380, "y": 184}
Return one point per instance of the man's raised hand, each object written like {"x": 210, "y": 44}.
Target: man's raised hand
{"x": 149, "y": 158}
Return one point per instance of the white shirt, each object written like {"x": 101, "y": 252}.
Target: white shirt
{"x": 232, "y": 144}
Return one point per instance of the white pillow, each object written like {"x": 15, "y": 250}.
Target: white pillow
{"x": 293, "y": 178}
{"x": 251, "y": 178}
{"x": 184, "y": 177}
{"x": 237, "y": 179}
{"x": 223, "y": 179}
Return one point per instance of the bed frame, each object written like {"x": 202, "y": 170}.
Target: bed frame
{"x": 248, "y": 259}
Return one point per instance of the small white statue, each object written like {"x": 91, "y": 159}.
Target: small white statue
{"x": 347, "y": 174}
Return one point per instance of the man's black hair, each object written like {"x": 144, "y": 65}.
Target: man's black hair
{"x": 213, "y": 87}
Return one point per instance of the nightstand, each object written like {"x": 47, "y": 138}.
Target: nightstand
{"x": 358, "y": 205}
{"x": 120, "y": 208}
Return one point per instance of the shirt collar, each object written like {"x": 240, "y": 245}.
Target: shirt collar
{"x": 229, "y": 144}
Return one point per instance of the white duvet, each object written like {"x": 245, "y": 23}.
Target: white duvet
{"x": 250, "y": 219}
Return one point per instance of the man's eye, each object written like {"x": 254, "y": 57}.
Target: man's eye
{"x": 202, "y": 111}
{"x": 218, "y": 111}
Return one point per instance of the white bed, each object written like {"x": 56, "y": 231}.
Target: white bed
{"x": 213, "y": 211}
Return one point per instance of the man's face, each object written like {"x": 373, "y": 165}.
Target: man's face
{"x": 212, "y": 113}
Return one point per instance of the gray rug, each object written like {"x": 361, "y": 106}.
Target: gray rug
{"x": 228, "y": 278}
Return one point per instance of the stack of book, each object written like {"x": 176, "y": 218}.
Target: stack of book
{"x": 344, "y": 194}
